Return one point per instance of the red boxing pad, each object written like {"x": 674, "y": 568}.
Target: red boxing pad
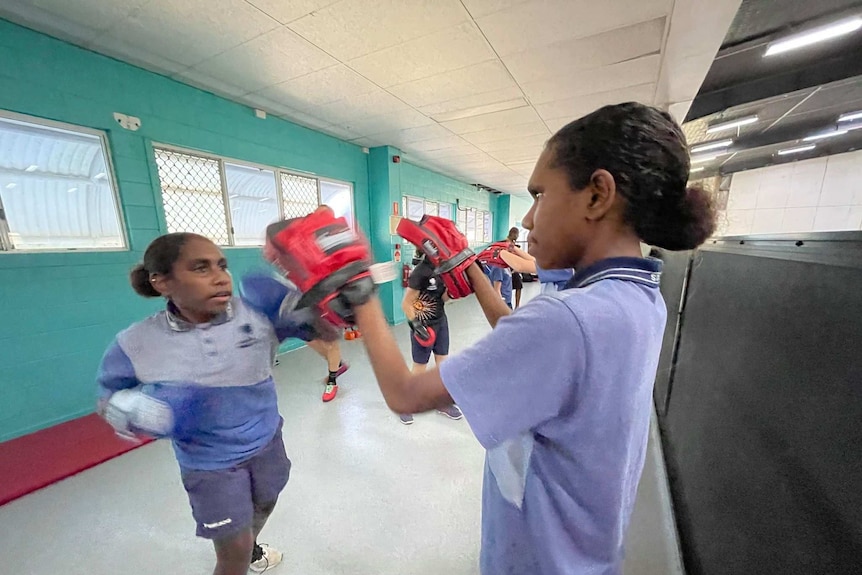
{"x": 446, "y": 249}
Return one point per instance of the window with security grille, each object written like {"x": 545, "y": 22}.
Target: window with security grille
{"x": 56, "y": 188}
{"x": 192, "y": 195}
{"x": 444, "y": 210}
{"x": 299, "y": 195}
{"x": 232, "y": 202}
{"x": 487, "y": 218}
{"x": 253, "y": 202}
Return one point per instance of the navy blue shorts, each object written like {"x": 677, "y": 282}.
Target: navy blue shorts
{"x": 223, "y": 500}
{"x": 422, "y": 355}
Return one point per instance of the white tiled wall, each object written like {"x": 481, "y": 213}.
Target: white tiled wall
{"x": 823, "y": 194}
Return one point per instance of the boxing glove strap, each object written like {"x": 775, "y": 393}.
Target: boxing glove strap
{"x": 454, "y": 261}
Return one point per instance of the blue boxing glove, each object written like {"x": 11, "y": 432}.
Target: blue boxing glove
{"x": 276, "y": 298}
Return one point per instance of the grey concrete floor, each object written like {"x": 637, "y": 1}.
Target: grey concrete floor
{"x": 367, "y": 495}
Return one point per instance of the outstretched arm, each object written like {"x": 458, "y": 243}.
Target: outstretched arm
{"x": 518, "y": 263}
{"x": 403, "y": 391}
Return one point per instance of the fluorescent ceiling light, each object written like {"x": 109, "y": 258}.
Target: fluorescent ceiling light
{"x": 731, "y": 124}
{"x": 850, "y": 116}
{"x": 796, "y": 150}
{"x": 10, "y": 185}
{"x": 814, "y": 36}
{"x": 31, "y": 168}
{"x": 696, "y": 170}
{"x": 72, "y": 190}
{"x": 824, "y": 135}
{"x": 711, "y": 146}
{"x": 100, "y": 176}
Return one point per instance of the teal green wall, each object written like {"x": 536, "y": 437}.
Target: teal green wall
{"x": 60, "y": 310}
{"x": 518, "y": 208}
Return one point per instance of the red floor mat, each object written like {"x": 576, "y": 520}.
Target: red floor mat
{"x": 33, "y": 461}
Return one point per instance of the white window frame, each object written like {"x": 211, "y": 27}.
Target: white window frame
{"x": 277, "y": 171}
{"x": 426, "y": 203}
{"x": 6, "y": 246}
{"x": 472, "y": 235}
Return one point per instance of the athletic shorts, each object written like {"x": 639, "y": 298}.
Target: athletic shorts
{"x": 223, "y": 500}
{"x": 516, "y": 281}
{"x": 422, "y": 355}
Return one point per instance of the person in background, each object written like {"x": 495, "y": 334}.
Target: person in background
{"x": 517, "y": 280}
{"x": 424, "y": 306}
{"x": 551, "y": 280}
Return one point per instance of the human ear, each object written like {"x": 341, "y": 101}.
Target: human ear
{"x": 603, "y": 194}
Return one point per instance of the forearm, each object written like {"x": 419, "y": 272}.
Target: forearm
{"x": 492, "y": 304}
{"x": 518, "y": 263}
{"x": 403, "y": 391}
{"x": 522, "y": 254}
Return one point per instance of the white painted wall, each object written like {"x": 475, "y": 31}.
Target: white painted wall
{"x": 823, "y": 194}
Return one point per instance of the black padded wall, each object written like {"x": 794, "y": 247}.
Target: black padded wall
{"x": 763, "y": 434}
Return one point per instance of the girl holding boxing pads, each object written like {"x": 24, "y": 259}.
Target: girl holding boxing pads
{"x": 559, "y": 392}
{"x": 199, "y": 372}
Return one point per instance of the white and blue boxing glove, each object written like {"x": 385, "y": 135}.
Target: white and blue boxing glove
{"x": 131, "y": 413}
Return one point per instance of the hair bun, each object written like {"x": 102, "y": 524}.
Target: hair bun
{"x": 139, "y": 277}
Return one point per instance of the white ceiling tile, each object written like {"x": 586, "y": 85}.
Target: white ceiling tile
{"x": 517, "y": 155}
{"x": 574, "y": 108}
{"x": 368, "y": 142}
{"x": 289, "y": 10}
{"x": 265, "y": 104}
{"x": 463, "y": 150}
{"x": 480, "y": 110}
{"x": 479, "y": 8}
{"x": 206, "y": 82}
{"x": 472, "y": 101}
{"x": 643, "y": 70}
{"x": 523, "y": 168}
{"x": 498, "y": 133}
{"x": 303, "y": 119}
{"x": 525, "y": 26}
{"x": 388, "y": 121}
{"x": 450, "y": 141}
{"x": 26, "y": 14}
{"x": 356, "y": 107}
{"x": 192, "y": 30}
{"x": 536, "y": 141}
{"x": 479, "y": 78}
{"x": 121, "y": 50}
{"x": 494, "y": 120}
{"x": 560, "y": 59}
{"x": 320, "y": 88}
{"x": 354, "y": 28}
{"x": 412, "y": 135}
{"x": 449, "y": 49}
{"x": 272, "y": 58}
{"x": 95, "y": 14}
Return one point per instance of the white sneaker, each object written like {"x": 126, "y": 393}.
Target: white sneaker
{"x": 264, "y": 557}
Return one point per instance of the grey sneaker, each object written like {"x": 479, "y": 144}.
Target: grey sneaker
{"x": 406, "y": 418}
{"x": 452, "y": 412}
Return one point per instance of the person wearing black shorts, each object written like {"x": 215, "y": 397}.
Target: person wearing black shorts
{"x": 423, "y": 304}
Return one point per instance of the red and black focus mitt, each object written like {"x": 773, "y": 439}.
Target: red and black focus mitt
{"x": 423, "y": 334}
{"x": 445, "y": 248}
{"x": 490, "y": 256}
{"x": 326, "y": 260}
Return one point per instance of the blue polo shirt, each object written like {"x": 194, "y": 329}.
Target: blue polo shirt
{"x": 571, "y": 376}
{"x": 216, "y": 376}
{"x": 554, "y": 280}
{"x": 504, "y": 276}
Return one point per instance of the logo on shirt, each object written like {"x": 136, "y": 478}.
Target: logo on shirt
{"x": 221, "y": 523}
{"x": 249, "y": 340}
